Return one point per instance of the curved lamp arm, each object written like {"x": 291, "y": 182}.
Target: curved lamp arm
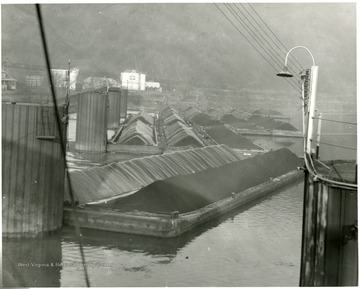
{"x": 312, "y": 57}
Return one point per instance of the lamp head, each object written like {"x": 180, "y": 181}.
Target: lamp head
{"x": 285, "y": 72}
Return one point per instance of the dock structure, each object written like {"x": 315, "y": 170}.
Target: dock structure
{"x": 33, "y": 170}
{"x": 91, "y": 124}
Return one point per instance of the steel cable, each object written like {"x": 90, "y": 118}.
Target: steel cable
{"x": 62, "y": 143}
{"x": 337, "y": 121}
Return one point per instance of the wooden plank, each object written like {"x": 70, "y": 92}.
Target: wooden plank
{"x": 31, "y": 116}
{"x": 20, "y": 184}
{"x": 6, "y": 162}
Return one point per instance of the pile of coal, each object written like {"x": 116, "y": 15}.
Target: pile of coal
{"x": 192, "y": 192}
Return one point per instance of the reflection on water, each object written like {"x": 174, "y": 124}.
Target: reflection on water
{"x": 257, "y": 245}
{"x": 32, "y": 262}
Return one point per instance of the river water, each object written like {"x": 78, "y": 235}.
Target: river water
{"x": 256, "y": 245}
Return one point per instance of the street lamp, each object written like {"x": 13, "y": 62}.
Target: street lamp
{"x": 322, "y": 212}
{"x": 312, "y": 96}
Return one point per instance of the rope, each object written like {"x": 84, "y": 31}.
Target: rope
{"x": 62, "y": 143}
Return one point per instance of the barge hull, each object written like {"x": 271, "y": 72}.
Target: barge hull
{"x": 168, "y": 225}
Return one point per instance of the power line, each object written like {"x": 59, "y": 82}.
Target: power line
{"x": 298, "y": 66}
{"x": 286, "y": 49}
{"x": 237, "y": 17}
{"x": 251, "y": 43}
{"x": 278, "y": 58}
{"x": 252, "y": 34}
{"x": 257, "y": 49}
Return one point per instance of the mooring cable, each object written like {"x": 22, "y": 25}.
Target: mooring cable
{"x": 62, "y": 143}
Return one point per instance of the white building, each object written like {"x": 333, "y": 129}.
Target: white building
{"x": 152, "y": 85}
{"x": 133, "y": 80}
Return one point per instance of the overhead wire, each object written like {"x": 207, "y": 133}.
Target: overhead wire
{"x": 62, "y": 142}
{"x": 276, "y": 57}
{"x": 260, "y": 37}
{"x": 334, "y": 145}
{"x": 246, "y": 38}
{"x": 298, "y": 66}
{"x": 337, "y": 121}
{"x": 252, "y": 34}
{"x": 286, "y": 49}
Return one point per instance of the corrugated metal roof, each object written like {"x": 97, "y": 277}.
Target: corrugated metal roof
{"x": 190, "y": 112}
{"x": 144, "y": 117}
{"x": 119, "y": 178}
{"x": 178, "y": 134}
{"x": 137, "y": 133}
{"x": 171, "y": 119}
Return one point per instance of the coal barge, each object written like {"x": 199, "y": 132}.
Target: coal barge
{"x": 170, "y": 207}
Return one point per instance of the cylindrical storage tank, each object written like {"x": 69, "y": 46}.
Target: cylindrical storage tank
{"x": 124, "y": 104}
{"x": 33, "y": 170}
{"x": 114, "y": 95}
{"x": 91, "y": 124}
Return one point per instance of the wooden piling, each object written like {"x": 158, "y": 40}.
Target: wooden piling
{"x": 33, "y": 170}
{"x": 91, "y": 124}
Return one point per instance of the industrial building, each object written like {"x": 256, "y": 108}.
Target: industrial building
{"x": 133, "y": 80}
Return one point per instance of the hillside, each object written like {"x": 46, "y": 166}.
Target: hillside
{"x": 187, "y": 43}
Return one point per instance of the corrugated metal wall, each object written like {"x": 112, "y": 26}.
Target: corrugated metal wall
{"x": 114, "y": 108}
{"x": 329, "y": 249}
{"x": 91, "y": 125}
{"x": 124, "y": 103}
{"x": 32, "y": 170}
